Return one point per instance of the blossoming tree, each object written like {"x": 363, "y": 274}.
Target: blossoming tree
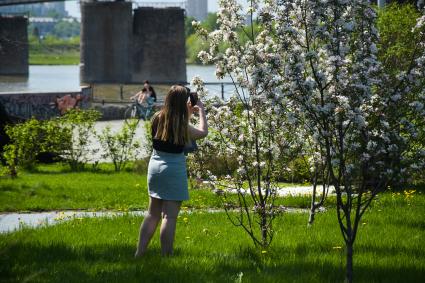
{"x": 317, "y": 61}
{"x": 332, "y": 76}
{"x": 252, "y": 127}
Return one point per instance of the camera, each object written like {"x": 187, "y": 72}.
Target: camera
{"x": 193, "y": 97}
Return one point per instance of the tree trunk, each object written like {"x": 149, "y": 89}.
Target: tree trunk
{"x": 264, "y": 229}
{"x": 349, "y": 267}
{"x": 311, "y": 218}
{"x": 312, "y": 207}
{"x": 313, "y": 198}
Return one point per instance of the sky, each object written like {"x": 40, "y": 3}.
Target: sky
{"x": 74, "y": 10}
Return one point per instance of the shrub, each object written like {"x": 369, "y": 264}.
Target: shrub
{"x": 397, "y": 42}
{"x": 78, "y": 127}
{"x": 121, "y": 146}
{"x": 26, "y": 143}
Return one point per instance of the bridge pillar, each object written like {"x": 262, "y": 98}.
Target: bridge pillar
{"x": 159, "y": 53}
{"x": 117, "y": 47}
{"x": 105, "y": 42}
{"x": 13, "y": 45}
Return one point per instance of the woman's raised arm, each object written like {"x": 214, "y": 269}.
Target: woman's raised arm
{"x": 201, "y": 131}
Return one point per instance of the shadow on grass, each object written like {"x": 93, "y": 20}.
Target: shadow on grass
{"x": 414, "y": 223}
{"x": 301, "y": 264}
{"x": 115, "y": 263}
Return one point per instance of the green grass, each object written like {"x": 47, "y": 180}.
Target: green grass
{"x": 54, "y": 187}
{"x": 54, "y": 58}
{"x": 389, "y": 248}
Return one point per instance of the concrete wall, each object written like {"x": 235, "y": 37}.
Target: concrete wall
{"x": 159, "y": 45}
{"x": 105, "y": 42}
{"x": 13, "y": 45}
{"x": 38, "y": 105}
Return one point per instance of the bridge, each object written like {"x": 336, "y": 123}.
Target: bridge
{"x": 138, "y": 3}
{"x": 118, "y": 44}
{"x": 19, "y": 2}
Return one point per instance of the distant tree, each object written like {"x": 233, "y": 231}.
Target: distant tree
{"x": 188, "y": 28}
{"x": 52, "y": 13}
{"x": 66, "y": 29}
{"x": 210, "y": 23}
{"x": 193, "y": 46}
{"x": 397, "y": 41}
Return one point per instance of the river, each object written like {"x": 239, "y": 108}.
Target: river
{"x": 62, "y": 78}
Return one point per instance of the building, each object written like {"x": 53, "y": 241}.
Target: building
{"x": 197, "y": 9}
{"x": 37, "y": 10}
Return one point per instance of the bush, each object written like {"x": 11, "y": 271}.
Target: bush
{"x": 148, "y": 133}
{"x": 26, "y": 143}
{"x": 399, "y": 47}
{"x": 78, "y": 127}
{"x": 141, "y": 166}
{"x": 120, "y": 147}
{"x": 397, "y": 41}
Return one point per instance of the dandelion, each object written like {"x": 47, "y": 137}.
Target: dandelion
{"x": 337, "y": 247}
{"x": 263, "y": 252}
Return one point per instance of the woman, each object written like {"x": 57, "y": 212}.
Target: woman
{"x": 144, "y": 103}
{"x": 167, "y": 176}
{"x": 149, "y": 90}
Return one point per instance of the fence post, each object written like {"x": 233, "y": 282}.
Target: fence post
{"x": 121, "y": 93}
{"x": 222, "y": 91}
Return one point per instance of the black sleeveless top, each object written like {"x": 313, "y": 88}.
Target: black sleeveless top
{"x": 164, "y": 146}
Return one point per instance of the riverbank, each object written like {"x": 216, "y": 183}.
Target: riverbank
{"x": 54, "y": 58}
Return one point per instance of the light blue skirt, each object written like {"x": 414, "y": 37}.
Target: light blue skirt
{"x": 167, "y": 176}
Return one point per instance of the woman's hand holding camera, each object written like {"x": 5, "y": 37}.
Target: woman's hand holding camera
{"x": 199, "y": 106}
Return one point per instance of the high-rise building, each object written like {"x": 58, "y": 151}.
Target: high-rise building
{"x": 197, "y": 9}
{"x": 37, "y": 10}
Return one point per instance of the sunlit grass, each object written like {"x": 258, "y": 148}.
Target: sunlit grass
{"x": 389, "y": 248}
{"x": 55, "y": 187}
{"x": 55, "y": 58}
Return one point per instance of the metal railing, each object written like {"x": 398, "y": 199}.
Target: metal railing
{"x": 120, "y": 93}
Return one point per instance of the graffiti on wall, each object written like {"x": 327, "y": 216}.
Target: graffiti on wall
{"x": 43, "y": 105}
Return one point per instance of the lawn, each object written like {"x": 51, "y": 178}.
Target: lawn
{"x": 54, "y": 58}
{"x": 54, "y": 187}
{"x": 389, "y": 248}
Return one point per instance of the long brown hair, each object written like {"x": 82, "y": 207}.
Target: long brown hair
{"x": 173, "y": 119}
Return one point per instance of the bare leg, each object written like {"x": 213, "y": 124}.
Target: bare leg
{"x": 170, "y": 210}
{"x": 149, "y": 224}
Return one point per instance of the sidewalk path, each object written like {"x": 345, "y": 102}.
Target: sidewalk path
{"x": 14, "y": 221}
{"x": 10, "y": 222}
